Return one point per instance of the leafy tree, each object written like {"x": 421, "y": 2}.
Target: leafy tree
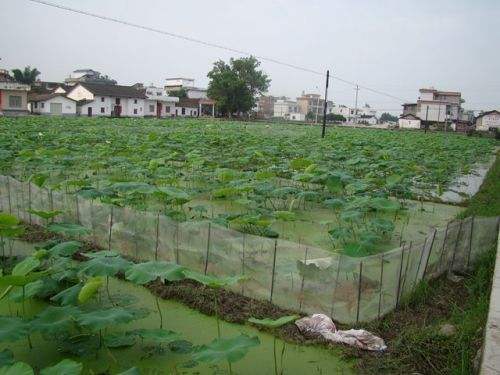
{"x": 310, "y": 116}
{"x": 27, "y": 76}
{"x": 236, "y": 85}
{"x": 387, "y": 117}
{"x": 335, "y": 117}
{"x": 181, "y": 93}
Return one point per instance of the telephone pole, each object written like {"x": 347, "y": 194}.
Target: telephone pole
{"x": 325, "y": 104}
{"x": 356, "y": 106}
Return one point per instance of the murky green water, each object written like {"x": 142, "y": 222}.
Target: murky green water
{"x": 193, "y": 326}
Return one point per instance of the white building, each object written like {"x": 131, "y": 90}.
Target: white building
{"x": 436, "y": 106}
{"x": 284, "y": 107}
{"x": 488, "y": 120}
{"x": 55, "y": 104}
{"x": 193, "y": 92}
{"x": 96, "y": 99}
{"x": 13, "y": 95}
{"x": 159, "y": 103}
{"x": 409, "y": 121}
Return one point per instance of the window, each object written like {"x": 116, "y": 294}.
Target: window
{"x": 135, "y": 111}
{"x": 15, "y": 101}
{"x": 135, "y": 101}
{"x": 36, "y": 104}
{"x": 43, "y": 104}
{"x": 183, "y": 111}
{"x": 194, "y": 113}
{"x": 117, "y": 101}
{"x": 158, "y": 93}
{"x": 167, "y": 109}
{"x": 151, "y": 108}
{"x": 102, "y": 99}
{"x": 102, "y": 110}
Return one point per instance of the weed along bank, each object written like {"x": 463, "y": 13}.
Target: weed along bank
{"x": 247, "y": 223}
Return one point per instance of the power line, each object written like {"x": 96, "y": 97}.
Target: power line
{"x": 210, "y": 44}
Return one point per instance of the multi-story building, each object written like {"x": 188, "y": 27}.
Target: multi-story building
{"x": 197, "y": 102}
{"x": 13, "y": 95}
{"x": 488, "y": 120}
{"x": 264, "y": 107}
{"x": 187, "y": 84}
{"x": 435, "y": 106}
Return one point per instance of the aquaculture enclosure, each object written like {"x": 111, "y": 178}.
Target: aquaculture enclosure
{"x": 289, "y": 274}
{"x": 358, "y": 191}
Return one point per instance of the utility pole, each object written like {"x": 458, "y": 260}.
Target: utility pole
{"x": 356, "y": 106}
{"x": 325, "y": 104}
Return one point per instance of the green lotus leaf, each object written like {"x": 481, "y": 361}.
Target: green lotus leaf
{"x": 120, "y": 340}
{"x": 211, "y": 281}
{"x": 102, "y": 254}
{"x": 25, "y": 266}
{"x": 89, "y": 289}
{"x": 105, "y": 266}
{"x": 385, "y": 204}
{"x": 68, "y": 229}
{"x": 142, "y": 273}
{"x": 18, "y": 368}
{"x": 66, "y": 249}
{"x": 157, "y": 335}
{"x": 65, "y": 367}
{"x": 68, "y": 296}
{"x": 99, "y": 319}
{"x": 285, "y": 215}
{"x": 274, "y": 323}
{"x": 55, "y": 319}
{"x": 131, "y": 371}
{"x": 13, "y": 329}
{"x": 45, "y": 214}
{"x": 16, "y": 280}
{"x": 6, "y": 357}
{"x": 30, "y": 290}
{"x": 231, "y": 350}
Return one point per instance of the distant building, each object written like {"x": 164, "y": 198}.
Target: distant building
{"x": 55, "y": 104}
{"x": 488, "y": 120}
{"x": 89, "y": 76}
{"x": 97, "y": 99}
{"x": 193, "y": 92}
{"x": 13, "y": 95}
{"x": 264, "y": 107}
{"x": 409, "y": 121}
{"x": 435, "y": 106}
{"x": 158, "y": 103}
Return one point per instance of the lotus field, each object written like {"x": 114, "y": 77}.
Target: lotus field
{"x": 358, "y": 191}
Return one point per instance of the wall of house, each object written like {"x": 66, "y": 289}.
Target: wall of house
{"x": 484, "y": 123}
{"x": 80, "y": 93}
{"x": 437, "y": 112}
{"x": 43, "y": 108}
{"x": 104, "y": 105}
{"x": 409, "y": 123}
{"x": 5, "y": 101}
{"x": 188, "y": 111}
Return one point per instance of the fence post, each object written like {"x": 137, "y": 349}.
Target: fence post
{"x": 29, "y": 203}
{"x": 334, "y": 294}
{"x": 8, "y": 193}
{"x": 443, "y": 248}
{"x": 77, "y": 209}
{"x": 92, "y": 224}
{"x": 243, "y": 237}
{"x": 177, "y": 242}
{"x": 301, "y": 293}
{"x": 157, "y": 235}
{"x": 359, "y": 291}
{"x": 406, "y": 267}
{"x": 110, "y": 227}
{"x": 455, "y": 248}
{"x": 208, "y": 247}
{"x": 470, "y": 242}
{"x": 381, "y": 281}
{"x": 273, "y": 271}
{"x": 398, "y": 289}
{"x": 51, "y": 200}
{"x": 429, "y": 253}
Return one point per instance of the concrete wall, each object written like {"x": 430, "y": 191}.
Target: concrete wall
{"x": 409, "y": 123}
{"x": 6, "y": 94}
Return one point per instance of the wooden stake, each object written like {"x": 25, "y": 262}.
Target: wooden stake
{"x": 273, "y": 271}
{"x": 208, "y": 247}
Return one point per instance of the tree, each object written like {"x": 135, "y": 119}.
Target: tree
{"x": 310, "y": 116}
{"x": 335, "y": 117}
{"x": 387, "y": 117}
{"x": 27, "y": 76}
{"x": 236, "y": 85}
{"x": 181, "y": 93}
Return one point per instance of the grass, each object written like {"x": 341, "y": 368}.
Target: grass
{"x": 412, "y": 332}
{"x": 487, "y": 201}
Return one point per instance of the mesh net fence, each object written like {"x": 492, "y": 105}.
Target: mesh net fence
{"x": 292, "y": 275}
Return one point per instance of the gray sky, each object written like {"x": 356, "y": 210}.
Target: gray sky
{"x": 396, "y": 46}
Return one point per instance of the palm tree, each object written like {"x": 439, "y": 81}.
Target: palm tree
{"x": 27, "y": 76}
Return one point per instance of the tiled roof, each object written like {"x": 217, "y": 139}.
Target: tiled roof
{"x": 117, "y": 91}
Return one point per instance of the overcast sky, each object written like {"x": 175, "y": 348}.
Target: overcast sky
{"x": 395, "y": 46}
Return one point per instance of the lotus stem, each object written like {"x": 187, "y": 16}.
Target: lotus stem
{"x": 107, "y": 291}
{"x": 159, "y": 311}
{"x": 230, "y": 369}
{"x": 282, "y": 357}
{"x": 274, "y": 356}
